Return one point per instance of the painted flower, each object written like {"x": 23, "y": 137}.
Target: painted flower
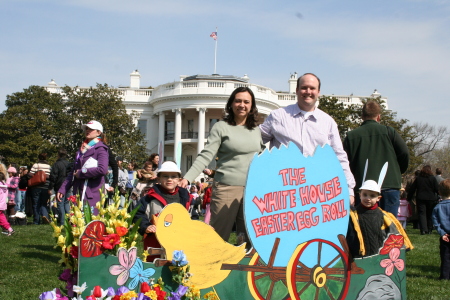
{"x": 393, "y": 261}
{"x": 126, "y": 260}
{"x": 121, "y": 231}
{"x": 393, "y": 241}
{"x": 110, "y": 240}
{"x": 92, "y": 239}
{"x": 179, "y": 258}
{"x": 138, "y": 274}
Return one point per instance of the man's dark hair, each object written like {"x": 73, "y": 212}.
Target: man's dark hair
{"x": 62, "y": 153}
{"x": 312, "y": 74}
{"x": 438, "y": 171}
{"x": 371, "y": 110}
{"x": 42, "y": 156}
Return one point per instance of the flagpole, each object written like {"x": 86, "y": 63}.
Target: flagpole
{"x": 215, "y": 54}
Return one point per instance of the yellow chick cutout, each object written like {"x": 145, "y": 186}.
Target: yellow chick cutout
{"x": 205, "y": 250}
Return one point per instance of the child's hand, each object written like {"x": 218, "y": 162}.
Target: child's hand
{"x": 445, "y": 238}
{"x": 151, "y": 229}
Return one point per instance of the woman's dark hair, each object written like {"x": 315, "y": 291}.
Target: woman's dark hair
{"x": 42, "y": 156}
{"x": 252, "y": 117}
{"x": 2, "y": 176}
{"x": 426, "y": 171}
{"x": 151, "y": 158}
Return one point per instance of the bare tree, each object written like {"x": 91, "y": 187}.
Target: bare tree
{"x": 427, "y": 138}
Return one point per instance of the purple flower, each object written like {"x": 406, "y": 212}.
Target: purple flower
{"x": 141, "y": 296}
{"x": 59, "y": 296}
{"x": 50, "y": 295}
{"x": 65, "y": 275}
{"x": 181, "y": 290}
{"x": 111, "y": 292}
{"x": 122, "y": 290}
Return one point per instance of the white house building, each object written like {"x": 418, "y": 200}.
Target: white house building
{"x": 176, "y": 117}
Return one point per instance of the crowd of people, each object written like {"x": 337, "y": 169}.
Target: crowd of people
{"x": 367, "y": 152}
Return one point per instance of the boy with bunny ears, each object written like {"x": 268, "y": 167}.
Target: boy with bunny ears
{"x": 370, "y": 225}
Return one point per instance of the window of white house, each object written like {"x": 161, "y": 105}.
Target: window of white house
{"x": 142, "y": 126}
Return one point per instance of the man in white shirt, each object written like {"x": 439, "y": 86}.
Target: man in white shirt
{"x": 307, "y": 126}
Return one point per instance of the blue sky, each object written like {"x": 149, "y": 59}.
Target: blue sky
{"x": 401, "y": 48}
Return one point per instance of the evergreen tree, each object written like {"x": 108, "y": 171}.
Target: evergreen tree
{"x": 37, "y": 121}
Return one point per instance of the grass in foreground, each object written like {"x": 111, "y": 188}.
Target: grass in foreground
{"x": 29, "y": 265}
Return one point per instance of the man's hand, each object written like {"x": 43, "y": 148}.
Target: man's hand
{"x": 445, "y": 237}
{"x": 352, "y": 200}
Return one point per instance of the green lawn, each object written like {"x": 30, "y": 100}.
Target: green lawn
{"x": 29, "y": 265}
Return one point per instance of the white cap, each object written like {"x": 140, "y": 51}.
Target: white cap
{"x": 93, "y": 125}
{"x": 169, "y": 166}
{"x": 370, "y": 185}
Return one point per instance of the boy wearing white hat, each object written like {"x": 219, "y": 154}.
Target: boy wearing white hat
{"x": 158, "y": 196}
{"x": 370, "y": 225}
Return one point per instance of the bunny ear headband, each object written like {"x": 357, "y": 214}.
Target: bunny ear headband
{"x": 382, "y": 173}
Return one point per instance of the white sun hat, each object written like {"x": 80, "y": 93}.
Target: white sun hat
{"x": 93, "y": 125}
{"x": 370, "y": 185}
{"x": 169, "y": 166}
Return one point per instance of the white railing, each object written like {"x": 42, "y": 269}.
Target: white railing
{"x": 238, "y": 85}
{"x": 216, "y": 84}
{"x": 190, "y": 84}
{"x": 287, "y": 97}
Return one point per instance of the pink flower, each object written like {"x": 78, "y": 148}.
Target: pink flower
{"x": 392, "y": 261}
{"x": 127, "y": 260}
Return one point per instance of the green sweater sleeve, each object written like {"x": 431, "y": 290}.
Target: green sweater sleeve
{"x": 235, "y": 147}
{"x": 206, "y": 156}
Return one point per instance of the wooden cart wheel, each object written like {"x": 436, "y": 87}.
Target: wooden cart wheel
{"x": 267, "y": 285}
{"x": 316, "y": 277}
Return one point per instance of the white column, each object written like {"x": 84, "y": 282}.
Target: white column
{"x": 161, "y": 131}
{"x": 177, "y": 138}
{"x": 201, "y": 129}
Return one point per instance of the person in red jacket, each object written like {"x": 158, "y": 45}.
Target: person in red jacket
{"x": 206, "y": 203}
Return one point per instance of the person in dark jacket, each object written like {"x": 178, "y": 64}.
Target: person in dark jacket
{"x": 57, "y": 176}
{"x": 156, "y": 199}
{"x": 425, "y": 187}
{"x": 379, "y": 144}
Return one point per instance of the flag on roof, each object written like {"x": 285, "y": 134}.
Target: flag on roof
{"x": 214, "y": 35}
